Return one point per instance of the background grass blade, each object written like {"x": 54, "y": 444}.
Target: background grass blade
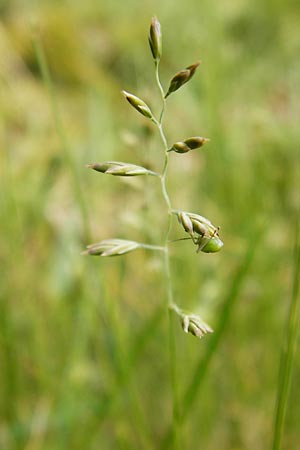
{"x": 233, "y": 294}
{"x": 212, "y": 344}
{"x": 76, "y": 182}
{"x": 61, "y": 107}
{"x": 288, "y": 349}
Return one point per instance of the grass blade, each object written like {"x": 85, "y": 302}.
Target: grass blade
{"x": 46, "y": 76}
{"x": 288, "y": 350}
{"x": 213, "y": 343}
{"x": 203, "y": 365}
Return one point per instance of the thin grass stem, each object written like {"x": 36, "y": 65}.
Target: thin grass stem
{"x": 153, "y": 247}
{"x": 121, "y": 367}
{"x": 288, "y": 350}
{"x": 170, "y": 301}
{"x": 161, "y": 90}
{"x": 197, "y": 378}
{"x": 45, "y": 72}
{"x": 224, "y": 317}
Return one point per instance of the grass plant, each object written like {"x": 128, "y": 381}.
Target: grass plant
{"x": 201, "y": 231}
{"x": 93, "y": 351}
{"x": 288, "y": 348}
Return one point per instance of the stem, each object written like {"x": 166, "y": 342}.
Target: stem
{"x": 161, "y": 90}
{"x": 190, "y": 398}
{"x": 153, "y": 247}
{"x": 288, "y": 350}
{"x": 164, "y": 187}
{"x": 170, "y": 302}
{"x": 46, "y": 76}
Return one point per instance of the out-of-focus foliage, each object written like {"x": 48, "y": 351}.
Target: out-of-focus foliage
{"x": 82, "y": 364}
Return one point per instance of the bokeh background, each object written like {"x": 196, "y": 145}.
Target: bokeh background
{"x": 84, "y": 358}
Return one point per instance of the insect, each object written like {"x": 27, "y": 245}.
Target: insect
{"x": 202, "y": 232}
{"x": 208, "y": 244}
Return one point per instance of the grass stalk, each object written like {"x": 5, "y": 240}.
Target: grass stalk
{"x": 170, "y": 301}
{"x": 121, "y": 367}
{"x": 213, "y": 343}
{"x": 201, "y": 370}
{"x": 288, "y": 350}
{"x": 76, "y": 183}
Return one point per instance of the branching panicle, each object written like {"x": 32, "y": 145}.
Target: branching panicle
{"x": 199, "y": 229}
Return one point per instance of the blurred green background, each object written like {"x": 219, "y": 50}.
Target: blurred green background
{"x": 84, "y": 360}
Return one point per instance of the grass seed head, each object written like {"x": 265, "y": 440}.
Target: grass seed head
{"x": 121, "y": 169}
{"x": 155, "y": 39}
{"x": 203, "y": 233}
{"x": 182, "y": 77}
{"x": 138, "y": 104}
{"x": 185, "y": 221}
{"x": 189, "y": 144}
{"x": 111, "y": 247}
{"x": 195, "y": 325}
{"x": 200, "y": 227}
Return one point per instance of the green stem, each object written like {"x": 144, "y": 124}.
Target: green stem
{"x": 164, "y": 188}
{"x": 170, "y": 301}
{"x": 161, "y": 90}
{"x": 288, "y": 351}
{"x": 43, "y": 65}
{"x": 153, "y": 247}
{"x": 190, "y": 398}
